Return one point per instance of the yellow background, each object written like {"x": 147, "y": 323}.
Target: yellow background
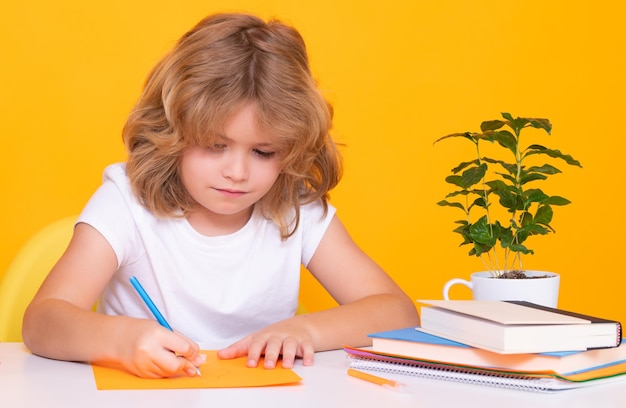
{"x": 399, "y": 73}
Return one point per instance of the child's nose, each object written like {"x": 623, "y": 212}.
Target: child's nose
{"x": 236, "y": 167}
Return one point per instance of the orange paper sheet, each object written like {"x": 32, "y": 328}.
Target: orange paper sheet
{"x": 216, "y": 373}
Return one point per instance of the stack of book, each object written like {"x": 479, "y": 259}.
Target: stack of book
{"x": 505, "y": 344}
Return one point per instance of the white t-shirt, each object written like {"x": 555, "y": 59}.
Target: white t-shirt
{"x": 215, "y": 290}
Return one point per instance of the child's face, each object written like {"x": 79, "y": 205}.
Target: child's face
{"x": 227, "y": 178}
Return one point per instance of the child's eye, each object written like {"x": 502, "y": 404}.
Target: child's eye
{"x": 264, "y": 154}
{"x": 217, "y": 147}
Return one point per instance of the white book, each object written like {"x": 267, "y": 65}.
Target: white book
{"x": 516, "y": 327}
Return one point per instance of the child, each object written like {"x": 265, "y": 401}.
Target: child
{"x": 222, "y": 198}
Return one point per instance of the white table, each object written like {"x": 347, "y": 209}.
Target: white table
{"x": 28, "y": 381}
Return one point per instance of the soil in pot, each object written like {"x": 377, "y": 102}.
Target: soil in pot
{"x": 516, "y": 274}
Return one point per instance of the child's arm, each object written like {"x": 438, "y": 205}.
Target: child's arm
{"x": 369, "y": 301}
{"x": 60, "y": 324}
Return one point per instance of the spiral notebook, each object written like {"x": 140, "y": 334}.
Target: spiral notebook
{"x": 537, "y": 381}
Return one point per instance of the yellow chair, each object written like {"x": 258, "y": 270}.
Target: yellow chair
{"x": 26, "y": 272}
{"x": 301, "y": 309}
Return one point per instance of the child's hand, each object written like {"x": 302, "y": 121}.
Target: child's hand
{"x": 151, "y": 351}
{"x": 285, "y": 338}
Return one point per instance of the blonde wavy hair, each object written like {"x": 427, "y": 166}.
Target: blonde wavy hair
{"x": 225, "y": 61}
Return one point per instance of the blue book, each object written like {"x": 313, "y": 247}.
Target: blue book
{"x": 412, "y": 343}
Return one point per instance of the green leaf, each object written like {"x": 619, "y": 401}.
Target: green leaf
{"x": 509, "y": 200}
{"x": 536, "y": 229}
{"x": 510, "y": 167}
{"x": 445, "y": 203}
{"x": 538, "y": 149}
{"x": 484, "y": 233}
{"x": 544, "y": 215}
{"x": 520, "y": 248}
{"x": 545, "y": 169}
{"x": 458, "y": 193}
{"x": 525, "y": 218}
{"x": 463, "y": 230}
{"x": 541, "y": 124}
{"x": 528, "y": 177}
{"x": 463, "y": 225}
{"x": 508, "y": 177}
{"x": 508, "y": 195}
{"x": 518, "y": 124}
{"x": 491, "y": 125}
{"x": 520, "y": 236}
{"x": 456, "y": 180}
{"x": 465, "y": 135}
{"x": 479, "y": 202}
{"x": 480, "y": 249}
{"x": 506, "y": 238}
{"x": 507, "y": 116}
{"x": 532, "y": 228}
{"x": 472, "y": 176}
{"x": 557, "y": 200}
{"x": 463, "y": 165}
{"x": 506, "y": 139}
{"x": 497, "y": 185}
{"x": 535, "y": 195}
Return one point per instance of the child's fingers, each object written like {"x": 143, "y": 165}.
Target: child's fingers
{"x": 293, "y": 349}
{"x": 185, "y": 348}
{"x": 308, "y": 353}
{"x": 255, "y": 351}
{"x": 289, "y": 352}
{"x": 190, "y": 368}
{"x": 273, "y": 349}
{"x": 174, "y": 366}
{"x": 160, "y": 365}
{"x": 170, "y": 364}
{"x": 235, "y": 350}
{"x": 192, "y": 355}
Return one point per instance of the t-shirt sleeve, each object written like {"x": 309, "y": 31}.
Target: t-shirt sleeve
{"x": 314, "y": 225}
{"x": 108, "y": 211}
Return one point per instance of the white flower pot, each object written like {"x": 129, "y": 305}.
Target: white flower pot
{"x": 542, "y": 291}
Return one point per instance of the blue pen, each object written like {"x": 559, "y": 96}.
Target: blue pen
{"x": 157, "y": 314}
{"x": 150, "y": 303}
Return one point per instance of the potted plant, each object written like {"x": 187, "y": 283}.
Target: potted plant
{"x": 501, "y": 205}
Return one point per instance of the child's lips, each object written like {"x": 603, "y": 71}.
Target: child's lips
{"x": 230, "y": 192}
